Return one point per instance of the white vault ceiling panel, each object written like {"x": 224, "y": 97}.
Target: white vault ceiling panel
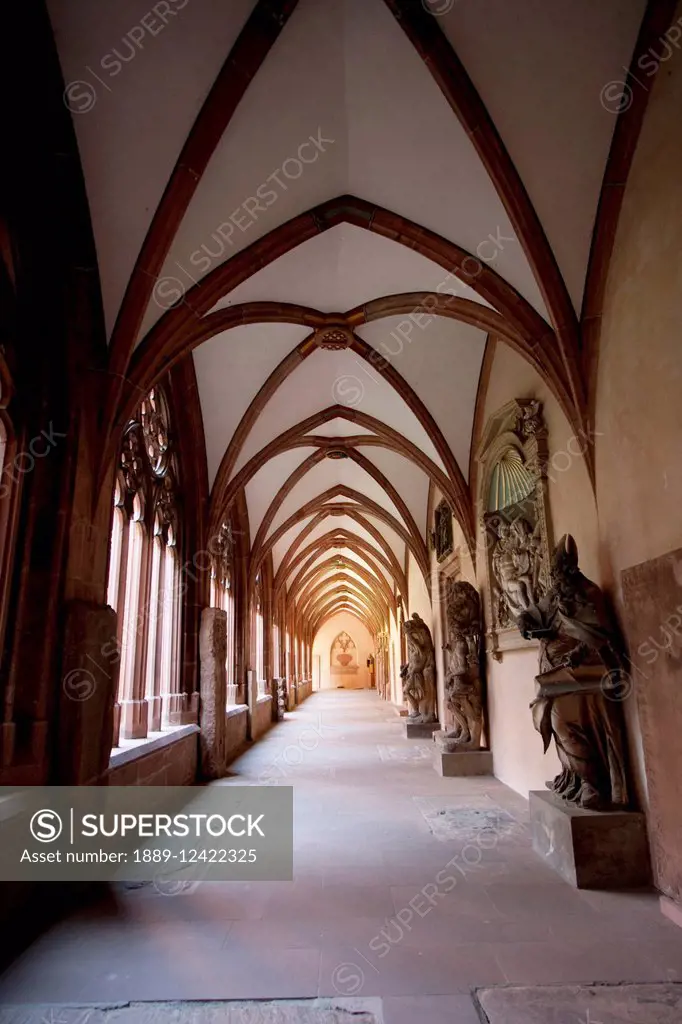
{"x": 298, "y": 93}
{"x": 343, "y": 85}
{"x": 408, "y": 151}
{"x": 441, "y": 361}
{"x": 543, "y": 68}
{"x": 334, "y": 473}
{"x": 346, "y": 267}
{"x": 231, "y": 368}
{"x": 347, "y": 556}
{"x": 280, "y": 549}
{"x": 391, "y": 138}
{"x": 409, "y": 480}
{"x": 328, "y": 378}
{"x": 262, "y": 488}
{"x": 136, "y": 78}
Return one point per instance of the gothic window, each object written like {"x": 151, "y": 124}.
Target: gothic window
{"x": 155, "y": 611}
{"x": 228, "y": 605}
{"x": 260, "y": 636}
{"x": 131, "y": 603}
{"x": 143, "y": 581}
{"x": 10, "y": 487}
{"x": 215, "y": 598}
{"x": 3, "y": 447}
{"x": 116, "y": 549}
{"x": 275, "y": 648}
{"x": 170, "y": 626}
{"x": 222, "y": 596}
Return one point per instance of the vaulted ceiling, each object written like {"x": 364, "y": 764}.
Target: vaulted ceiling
{"x": 332, "y": 204}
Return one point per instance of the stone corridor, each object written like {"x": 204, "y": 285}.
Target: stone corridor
{"x": 409, "y": 887}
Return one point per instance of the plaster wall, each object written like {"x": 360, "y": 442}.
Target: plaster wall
{"x": 363, "y": 642}
{"x": 638, "y": 410}
{"x": 394, "y": 661}
{"x": 638, "y": 416}
{"x": 419, "y": 597}
{"x": 518, "y": 759}
{"x": 419, "y": 601}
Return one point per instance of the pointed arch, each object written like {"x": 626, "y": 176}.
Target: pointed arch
{"x": 298, "y": 436}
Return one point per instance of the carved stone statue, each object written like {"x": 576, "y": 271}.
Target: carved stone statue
{"x": 516, "y": 562}
{"x": 531, "y": 418}
{"x": 578, "y": 685}
{"x": 463, "y": 691}
{"x": 419, "y": 674}
{"x": 442, "y": 535}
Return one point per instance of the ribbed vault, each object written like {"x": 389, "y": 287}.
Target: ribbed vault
{"x": 342, "y": 204}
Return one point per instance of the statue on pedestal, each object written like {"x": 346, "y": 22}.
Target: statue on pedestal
{"x": 463, "y": 690}
{"x": 579, "y": 685}
{"x": 419, "y": 674}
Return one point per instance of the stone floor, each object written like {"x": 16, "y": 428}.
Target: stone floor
{"x": 408, "y": 886}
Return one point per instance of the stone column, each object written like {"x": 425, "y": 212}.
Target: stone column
{"x": 213, "y": 682}
{"x": 87, "y": 692}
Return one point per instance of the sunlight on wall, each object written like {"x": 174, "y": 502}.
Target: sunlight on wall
{"x": 343, "y": 622}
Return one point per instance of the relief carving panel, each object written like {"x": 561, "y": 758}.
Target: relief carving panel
{"x": 512, "y": 505}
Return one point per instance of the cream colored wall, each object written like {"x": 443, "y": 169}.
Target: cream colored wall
{"x": 638, "y": 424}
{"x": 571, "y": 498}
{"x": 438, "y": 630}
{"x": 323, "y": 644}
{"x": 638, "y": 412}
{"x": 394, "y": 664}
{"x": 639, "y": 383}
{"x": 518, "y": 759}
{"x": 517, "y": 749}
{"x": 418, "y": 598}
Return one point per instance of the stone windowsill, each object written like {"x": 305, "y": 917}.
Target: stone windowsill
{"x": 130, "y": 750}
{"x": 232, "y": 710}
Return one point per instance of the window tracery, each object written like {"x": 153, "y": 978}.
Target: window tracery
{"x": 223, "y": 596}
{"x": 143, "y": 582}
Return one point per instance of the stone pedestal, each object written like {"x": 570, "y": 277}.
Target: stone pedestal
{"x": 420, "y": 730}
{"x": 463, "y": 762}
{"x": 671, "y": 910}
{"x": 213, "y": 683}
{"x": 590, "y": 849}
